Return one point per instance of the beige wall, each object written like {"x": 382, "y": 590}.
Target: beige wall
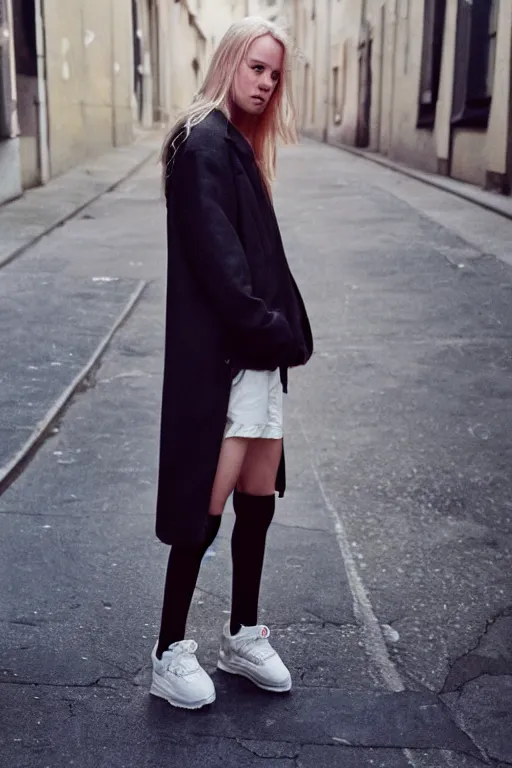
{"x": 403, "y": 35}
{"x": 310, "y": 33}
{"x": 89, "y": 78}
{"x": 345, "y": 26}
{"x": 89, "y": 87}
{"x": 187, "y": 56}
{"x": 122, "y": 73}
{"x": 476, "y": 154}
{"x": 333, "y": 39}
{"x": 190, "y": 30}
{"x": 268, "y": 9}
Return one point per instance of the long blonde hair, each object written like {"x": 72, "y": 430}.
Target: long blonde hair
{"x": 279, "y": 120}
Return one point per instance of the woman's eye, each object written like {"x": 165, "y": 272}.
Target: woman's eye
{"x": 258, "y": 68}
{"x": 275, "y": 76}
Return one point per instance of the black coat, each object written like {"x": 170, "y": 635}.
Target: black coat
{"x": 232, "y": 303}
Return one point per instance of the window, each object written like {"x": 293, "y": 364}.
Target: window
{"x": 433, "y": 32}
{"x": 475, "y": 60}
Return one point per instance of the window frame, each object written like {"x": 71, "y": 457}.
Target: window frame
{"x": 434, "y": 17}
{"x": 471, "y": 97}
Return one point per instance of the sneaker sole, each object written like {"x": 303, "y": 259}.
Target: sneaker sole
{"x": 234, "y": 669}
{"x": 161, "y": 693}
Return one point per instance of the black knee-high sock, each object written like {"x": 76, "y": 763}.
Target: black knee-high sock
{"x": 180, "y": 582}
{"x": 253, "y": 517}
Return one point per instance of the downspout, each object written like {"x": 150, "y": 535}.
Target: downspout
{"x": 43, "y": 147}
{"x": 393, "y": 79}
{"x": 509, "y": 138}
{"x": 327, "y": 71}
{"x": 113, "y": 73}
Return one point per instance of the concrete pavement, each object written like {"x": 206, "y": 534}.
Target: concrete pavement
{"x": 386, "y": 581}
{"x": 43, "y": 209}
{"x": 61, "y": 326}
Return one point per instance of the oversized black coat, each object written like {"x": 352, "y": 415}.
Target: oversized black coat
{"x": 232, "y": 303}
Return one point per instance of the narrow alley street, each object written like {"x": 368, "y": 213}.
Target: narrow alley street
{"x": 387, "y": 586}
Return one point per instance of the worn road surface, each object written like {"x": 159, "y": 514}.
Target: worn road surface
{"x": 387, "y": 587}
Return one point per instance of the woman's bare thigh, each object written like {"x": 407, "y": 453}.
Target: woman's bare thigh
{"x": 229, "y": 467}
{"x": 259, "y": 469}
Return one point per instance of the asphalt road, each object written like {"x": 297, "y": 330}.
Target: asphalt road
{"x": 387, "y": 585}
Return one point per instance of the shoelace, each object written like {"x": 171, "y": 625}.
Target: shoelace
{"x": 181, "y": 659}
{"x": 257, "y": 643}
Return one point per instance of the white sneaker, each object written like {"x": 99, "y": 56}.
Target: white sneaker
{"x": 179, "y": 678}
{"x": 250, "y": 654}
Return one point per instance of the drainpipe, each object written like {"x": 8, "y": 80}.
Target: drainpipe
{"x": 393, "y": 78}
{"x": 363, "y": 14}
{"x": 509, "y": 139}
{"x": 42, "y": 101}
{"x": 327, "y": 71}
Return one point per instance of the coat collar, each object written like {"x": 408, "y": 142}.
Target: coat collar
{"x": 245, "y": 152}
{"x": 232, "y": 134}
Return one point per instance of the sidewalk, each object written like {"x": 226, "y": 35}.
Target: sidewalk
{"x": 54, "y": 329}
{"x": 39, "y": 211}
{"x": 491, "y": 201}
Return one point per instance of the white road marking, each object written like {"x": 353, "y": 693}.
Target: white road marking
{"x": 373, "y": 637}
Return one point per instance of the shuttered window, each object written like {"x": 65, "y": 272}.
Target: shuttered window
{"x": 477, "y": 23}
{"x": 433, "y": 32}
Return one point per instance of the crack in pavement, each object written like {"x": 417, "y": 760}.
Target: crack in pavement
{"x": 320, "y": 623}
{"x": 327, "y": 622}
{"x": 301, "y": 528}
{"x": 249, "y": 745}
{"x": 212, "y": 594}
{"x": 295, "y": 747}
{"x": 372, "y": 633}
{"x": 92, "y": 684}
{"x": 473, "y": 665}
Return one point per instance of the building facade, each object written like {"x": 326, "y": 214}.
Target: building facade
{"x": 65, "y": 86}
{"x": 189, "y": 32}
{"x": 425, "y": 82}
{"x": 81, "y": 76}
{"x": 10, "y": 175}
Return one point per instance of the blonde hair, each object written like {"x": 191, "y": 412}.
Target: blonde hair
{"x": 278, "y": 121}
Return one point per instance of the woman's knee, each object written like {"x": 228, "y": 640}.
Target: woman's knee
{"x": 257, "y": 483}
{"x": 256, "y": 489}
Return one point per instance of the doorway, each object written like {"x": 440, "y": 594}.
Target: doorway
{"x": 365, "y": 90}
{"x": 138, "y": 80}
{"x": 27, "y": 87}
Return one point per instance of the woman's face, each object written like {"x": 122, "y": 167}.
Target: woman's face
{"x": 258, "y": 75}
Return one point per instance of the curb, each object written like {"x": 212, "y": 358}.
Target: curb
{"x": 471, "y": 194}
{"x": 9, "y": 471}
{"x": 71, "y": 215}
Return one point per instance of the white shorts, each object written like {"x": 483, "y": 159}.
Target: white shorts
{"x": 256, "y": 406}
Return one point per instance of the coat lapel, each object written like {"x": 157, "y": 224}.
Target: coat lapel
{"x": 246, "y": 156}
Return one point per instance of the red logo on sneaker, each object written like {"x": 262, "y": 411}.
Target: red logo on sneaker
{"x": 264, "y": 632}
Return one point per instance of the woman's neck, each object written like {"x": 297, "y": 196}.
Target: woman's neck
{"x": 244, "y": 123}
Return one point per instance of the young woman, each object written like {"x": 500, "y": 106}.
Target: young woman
{"x": 235, "y": 323}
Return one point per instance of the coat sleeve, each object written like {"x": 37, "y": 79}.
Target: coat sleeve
{"x": 205, "y": 212}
